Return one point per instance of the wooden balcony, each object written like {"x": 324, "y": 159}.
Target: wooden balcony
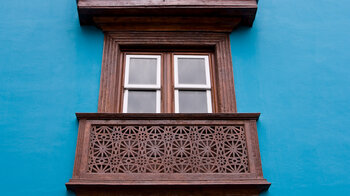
{"x": 175, "y": 15}
{"x": 167, "y": 154}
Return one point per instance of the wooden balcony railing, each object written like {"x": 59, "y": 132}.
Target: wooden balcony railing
{"x": 154, "y": 152}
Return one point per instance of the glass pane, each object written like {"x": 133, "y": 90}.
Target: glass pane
{"x": 142, "y": 101}
{"x": 191, "y": 71}
{"x": 143, "y": 71}
{"x": 193, "y": 102}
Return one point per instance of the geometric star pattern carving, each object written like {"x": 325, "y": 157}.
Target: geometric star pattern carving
{"x": 167, "y": 149}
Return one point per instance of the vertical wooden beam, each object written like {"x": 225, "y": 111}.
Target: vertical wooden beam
{"x": 110, "y": 76}
{"x": 79, "y": 150}
{"x": 225, "y": 82}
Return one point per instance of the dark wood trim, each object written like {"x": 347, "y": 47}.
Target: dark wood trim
{"x": 79, "y": 151}
{"x": 255, "y": 145}
{"x": 162, "y": 3}
{"x": 224, "y": 81}
{"x": 110, "y": 77}
{"x": 120, "y": 84}
{"x": 116, "y": 13}
{"x": 214, "y": 90}
{"x": 211, "y": 24}
{"x": 112, "y": 67}
{"x": 169, "y": 116}
{"x": 168, "y": 190}
{"x": 251, "y": 188}
{"x": 168, "y": 89}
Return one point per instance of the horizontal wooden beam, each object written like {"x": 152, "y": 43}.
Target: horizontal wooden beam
{"x": 92, "y": 11}
{"x": 168, "y": 116}
{"x": 238, "y": 188}
{"x": 213, "y": 24}
{"x": 160, "y": 3}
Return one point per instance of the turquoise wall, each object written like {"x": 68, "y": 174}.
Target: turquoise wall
{"x": 49, "y": 69}
{"x": 292, "y": 66}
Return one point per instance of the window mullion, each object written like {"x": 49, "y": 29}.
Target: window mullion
{"x": 167, "y": 84}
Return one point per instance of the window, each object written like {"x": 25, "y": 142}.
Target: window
{"x": 171, "y": 72}
{"x": 142, "y": 84}
{"x": 190, "y": 83}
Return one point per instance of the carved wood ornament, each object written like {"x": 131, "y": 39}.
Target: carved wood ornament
{"x": 166, "y": 153}
{"x": 167, "y": 149}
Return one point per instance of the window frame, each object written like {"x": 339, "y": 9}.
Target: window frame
{"x": 206, "y": 87}
{"x": 194, "y": 86}
{"x": 171, "y": 92}
{"x": 158, "y": 100}
{"x": 145, "y": 87}
{"x": 209, "y": 101}
{"x": 116, "y": 43}
{"x": 142, "y": 86}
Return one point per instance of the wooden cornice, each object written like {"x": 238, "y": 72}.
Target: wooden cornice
{"x": 167, "y": 15}
{"x": 213, "y": 24}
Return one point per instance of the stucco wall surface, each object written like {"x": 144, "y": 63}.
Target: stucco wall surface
{"x": 49, "y": 69}
{"x": 293, "y": 67}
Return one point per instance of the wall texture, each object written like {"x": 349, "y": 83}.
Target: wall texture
{"x": 292, "y": 66}
{"x": 49, "y": 69}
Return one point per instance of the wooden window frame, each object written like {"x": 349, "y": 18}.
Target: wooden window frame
{"x": 112, "y": 72}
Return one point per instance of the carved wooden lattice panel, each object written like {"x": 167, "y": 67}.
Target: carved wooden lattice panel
{"x": 167, "y": 149}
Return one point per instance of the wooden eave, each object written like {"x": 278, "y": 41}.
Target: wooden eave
{"x": 167, "y": 15}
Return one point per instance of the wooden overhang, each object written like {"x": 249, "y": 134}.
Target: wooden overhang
{"x": 167, "y": 15}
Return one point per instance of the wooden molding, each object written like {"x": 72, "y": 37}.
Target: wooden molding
{"x": 112, "y": 69}
{"x": 211, "y": 24}
{"x": 168, "y": 116}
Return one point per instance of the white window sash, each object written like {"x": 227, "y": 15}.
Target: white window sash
{"x": 207, "y": 72}
{"x": 126, "y": 96}
{"x": 209, "y": 104}
{"x": 206, "y": 87}
{"x": 142, "y": 86}
{"x": 150, "y": 87}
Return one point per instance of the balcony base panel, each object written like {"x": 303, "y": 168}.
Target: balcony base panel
{"x": 167, "y": 188}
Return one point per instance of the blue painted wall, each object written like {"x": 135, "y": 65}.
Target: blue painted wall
{"x": 49, "y": 69}
{"x": 293, "y": 66}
